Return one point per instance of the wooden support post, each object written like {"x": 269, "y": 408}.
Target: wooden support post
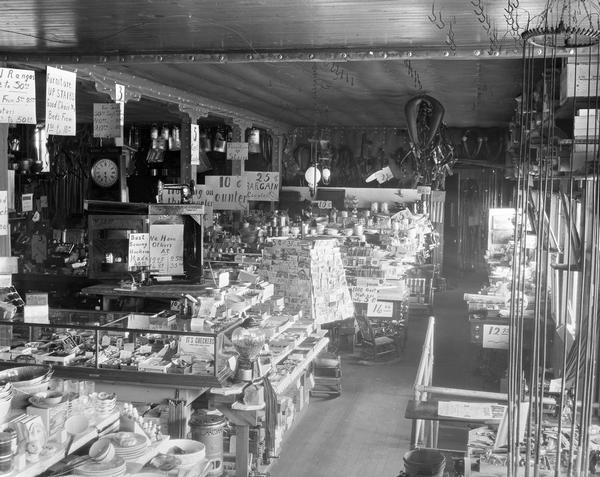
{"x": 185, "y": 157}
{"x": 242, "y": 450}
{"x": 4, "y": 239}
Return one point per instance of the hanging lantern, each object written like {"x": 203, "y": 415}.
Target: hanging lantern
{"x": 154, "y": 136}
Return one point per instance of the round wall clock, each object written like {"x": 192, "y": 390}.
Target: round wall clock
{"x": 105, "y": 172}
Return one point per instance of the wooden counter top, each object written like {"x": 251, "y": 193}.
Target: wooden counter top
{"x": 165, "y": 290}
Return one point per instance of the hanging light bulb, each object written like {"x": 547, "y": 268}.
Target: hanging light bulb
{"x": 325, "y": 169}
{"x": 326, "y": 175}
{"x": 312, "y": 176}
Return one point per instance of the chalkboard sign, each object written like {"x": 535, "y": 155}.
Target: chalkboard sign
{"x": 107, "y": 120}
{"x": 17, "y": 96}
{"x": 166, "y": 249}
{"x": 60, "y": 101}
{"x": 139, "y": 251}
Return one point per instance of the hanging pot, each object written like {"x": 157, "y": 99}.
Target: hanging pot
{"x": 253, "y": 139}
{"x": 205, "y": 142}
{"x": 219, "y": 144}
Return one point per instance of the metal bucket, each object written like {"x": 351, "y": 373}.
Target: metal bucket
{"x": 424, "y": 463}
{"x": 208, "y": 429}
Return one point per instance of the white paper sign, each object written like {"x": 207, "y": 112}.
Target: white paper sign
{"x": 237, "y": 151}
{"x": 496, "y": 336}
{"x": 60, "y": 102}
{"x": 120, "y": 100}
{"x": 263, "y": 185}
{"x": 17, "y": 96}
{"x": 195, "y": 145}
{"x": 201, "y": 346}
{"x": 3, "y": 212}
{"x": 204, "y": 196}
{"x": 27, "y": 203}
{"x": 139, "y": 251}
{"x": 166, "y": 249}
{"x": 361, "y": 294}
{"x": 36, "y": 314}
{"x": 383, "y": 309}
{"x": 107, "y": 120}
{"x": 323, "y": 204}
{"x": 230, "y": 192}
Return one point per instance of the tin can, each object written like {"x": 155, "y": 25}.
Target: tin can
{"x": 208, "y": 429}
{"x": 109, "y": 257}
{"x": 385, "y": 208}
{"x": 375, "y": 207}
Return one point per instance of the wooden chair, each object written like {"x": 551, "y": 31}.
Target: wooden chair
{"x": 377, "y": 346}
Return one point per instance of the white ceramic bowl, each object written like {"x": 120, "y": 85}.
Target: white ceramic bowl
{"x": 102, "y": 451}
{"x": 188, "y": 451}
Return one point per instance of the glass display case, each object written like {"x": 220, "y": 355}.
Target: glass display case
{"x": 134, "y": 348}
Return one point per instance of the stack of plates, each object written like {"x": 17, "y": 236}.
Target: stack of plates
{"x": 6, "y": 394}
{"x": 112, "y": 468}
{"x": 105, "y": 403}
{"x": 128, "y": 445}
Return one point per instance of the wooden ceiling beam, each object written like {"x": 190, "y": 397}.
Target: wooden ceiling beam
{"x": 473, "y": 52}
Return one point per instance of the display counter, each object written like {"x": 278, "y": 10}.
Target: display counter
{"x": 159, "y": 350}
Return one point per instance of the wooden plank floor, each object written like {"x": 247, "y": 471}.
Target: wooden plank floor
{"x": 361, "y": 433}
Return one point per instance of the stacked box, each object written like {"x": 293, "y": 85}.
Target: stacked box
{"x": 309, "y": 274}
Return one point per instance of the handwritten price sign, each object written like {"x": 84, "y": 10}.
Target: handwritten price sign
{"x": 496, "y": 336}
{"x": 323, "y": 204}
{"x": 263, "y": 185}
{"x": 17, "y": 96}
{"x": 384, "y": 309}
{"x": 237, "y": 151}
{"x": 363, "y": 294}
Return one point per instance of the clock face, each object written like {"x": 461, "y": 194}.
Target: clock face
{"x": 105, "y": 172}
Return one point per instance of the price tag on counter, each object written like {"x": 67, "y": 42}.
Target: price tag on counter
{"x": 496, "y": 336}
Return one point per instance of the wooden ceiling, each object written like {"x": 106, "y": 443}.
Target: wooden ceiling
{"x": 300, "y": 63}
